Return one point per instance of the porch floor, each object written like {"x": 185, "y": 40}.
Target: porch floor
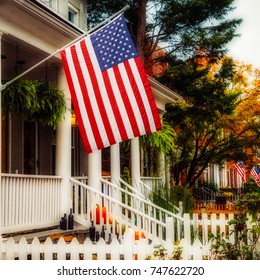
{"x": 78, "y": 231}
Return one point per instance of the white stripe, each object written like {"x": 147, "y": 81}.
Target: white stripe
{"x": 80, "y": 99}
{"x": 104, "y": 95}
{"x": 91, "y": 91}
{"x": 120, "y": 104}
{"x": 143, "y": 94}
{"x": 132, "y": 99}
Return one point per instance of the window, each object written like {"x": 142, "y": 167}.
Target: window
{"x": 73, "y": 14}
{"x": 51, "y": 3}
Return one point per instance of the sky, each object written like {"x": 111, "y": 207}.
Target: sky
{"x": 246, "y": 48}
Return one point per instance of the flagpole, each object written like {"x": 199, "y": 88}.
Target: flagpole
{"x": 59, "y": 50}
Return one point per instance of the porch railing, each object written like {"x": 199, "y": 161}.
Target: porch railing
{"x": 146, "y": 189}
{"x": 29, "y": 202}
{"x": 204, "y": 195}
{"x": 129, "y": 210}
{"x": 154, "y": 183}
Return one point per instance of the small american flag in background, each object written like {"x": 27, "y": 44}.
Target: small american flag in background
{"x": 255, "y": 172}
{"x": 240, "y": 169}
{"x": 110, "y": 91}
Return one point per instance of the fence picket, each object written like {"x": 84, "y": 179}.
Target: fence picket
{"x": 88, "y": 249}
{"x": 61, "y": 249}
{"x": 10, "y": 249}
{"x": 1, "y": 250}
{"x": 197, "y": 250}
{"x": 101, "y": 249}
{"x": 74, "y": 249}
{"x": 48, "y": 249}
{"x": 141, "y": 249}
{"x": 205, "y": 231}
{"x": 35, "y": 249}
{"x": 168, "y": 244}
{"x": 128, "y": 241}
{"x": 222, "y": 224}
{"x": 115, "y": 249}
{"x": 22, "y": 249}
{"x": 213, "y": 223}
{"x": 184, "y": 244}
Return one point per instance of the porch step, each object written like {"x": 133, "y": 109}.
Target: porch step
{"x": 80, "y": 231}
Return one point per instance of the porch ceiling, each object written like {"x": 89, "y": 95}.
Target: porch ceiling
{"x": 162, "y": 94}
{"x": 30, "y": 34}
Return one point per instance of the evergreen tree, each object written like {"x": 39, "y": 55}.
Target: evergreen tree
{"x": 181, "y": 27}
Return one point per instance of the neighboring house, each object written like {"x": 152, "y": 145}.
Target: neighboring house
{"x": 224, "y": 176}
{"x": 38, "y": 163}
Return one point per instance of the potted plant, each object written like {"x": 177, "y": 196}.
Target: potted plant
{"x": 34, "y": 100}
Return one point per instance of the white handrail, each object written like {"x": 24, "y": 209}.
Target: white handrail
{"x": 147, "y": 216}
{"x": 143, "y": 199}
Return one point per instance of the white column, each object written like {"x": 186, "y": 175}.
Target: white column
{"x": 224, "y": 170}
{"x": 1, "y": 34}
{"x": 161, "y": 159}
{"x": 63, "y": 149}
{"x": 216, "y": 174}
{"x": 115, "y": 168}
{"x": 115, "y": 163}
{"x": 135, "y": 162}
{"x": 94, "y": 169}
{"x": 94, "y": 173}
{"x": 162, "y": 167}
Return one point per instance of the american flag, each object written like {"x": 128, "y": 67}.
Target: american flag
{"x": 255, "y": 172}
{"x": 110, "y": 91}
{"x": 240, "y": 169}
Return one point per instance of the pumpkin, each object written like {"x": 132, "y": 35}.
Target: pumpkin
{"x": 102, "y": 214}
{"x": 138, "y": 234}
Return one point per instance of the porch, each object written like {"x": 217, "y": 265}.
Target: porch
{"x": 31, "y": 203}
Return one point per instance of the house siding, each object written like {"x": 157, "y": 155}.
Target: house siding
{"x": 62, "y": 8}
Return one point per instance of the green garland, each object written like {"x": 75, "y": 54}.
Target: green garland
{"x": 34, "y": 100}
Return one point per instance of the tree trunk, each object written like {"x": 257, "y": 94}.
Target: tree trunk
{"x": 141, "y": 28}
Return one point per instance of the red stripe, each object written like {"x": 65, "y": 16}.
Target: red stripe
{"x": 240, "y": 171}
{"x": 86, "y": 98}
{"x": 114, "y": 105}
{"x": 98, "y": 96}
{"x": 149, "y": 93}
{"x": 75, "y": 103}
{"x": 138, "y": 97}
{"x": 126, "y": 101}
{"x": 255, "y": 175}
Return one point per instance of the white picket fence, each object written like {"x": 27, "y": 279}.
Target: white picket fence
{"x": 194, "y": 244}
{"x": 127, "y": 249}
